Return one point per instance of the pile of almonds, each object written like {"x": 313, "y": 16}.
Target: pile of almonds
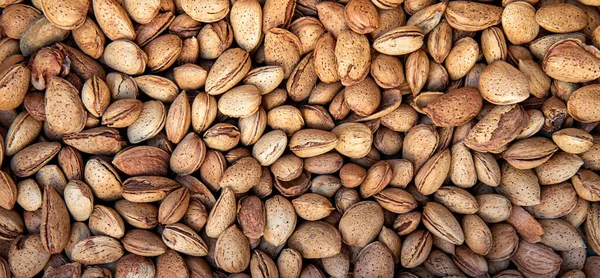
{"x": 299, "y": 138}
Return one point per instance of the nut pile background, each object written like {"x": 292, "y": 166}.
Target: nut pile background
{"x": 299, "y": 138}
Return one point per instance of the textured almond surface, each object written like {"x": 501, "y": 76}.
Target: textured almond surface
{"x": 299, "y": 138}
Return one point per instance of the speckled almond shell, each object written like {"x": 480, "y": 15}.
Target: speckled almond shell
{"x": 560, "y": 235}
{"x": 499, "y": 127}
{"x": 396, "y": 200}
{"x": 591, "y": 227}
{"x": 229, "y": 69}
{"x": 239, "y": 102}
{"x": 583, "y": 102}
{"x": 440, "y": 222}
{"x": 361, "y": 223}
{"x": 561, "y": 18}
{"x": 8, "y": 191}
{"x": 183, "y": 239}
{"x": 470, "y": 262}
{"x": 375, "y": 260}
{"x": 455, "y": 108}
{"x": 174, "y": 206}
{"x": 33, "y": 157}
{"x": 163, "y": 52}
{"x": 138, "y": 215}
{"x": 157, "y": 87}
{"x": 312, "y": 142}
{"x": 559, "y": 168}
{"x": 79, "y": 200}
{"x": 188, "y": 156}
{"x": 525, "y": 224}
{"x": 222, "y": 215}
{"x": 171, "y": 264}
{"x": 97, "y": 250}
{"x": 266, "y": 78}
{"x": 518, "y": 22}
{"x": 206, "y": 11}
{"x": 125, "y": 56}
{"x": 282, "y": 48}
{"x": 277, "y": 14}
{"x": 16, "y": 18}
{"x": 353, "y": 55}
{"x": 316, "y": 240}
{"x": 302, "y": 79}
{"x": 308, "y": 30}
{"x": 281, "y": 220}
{"x": 246, "y": 20}
{"x": 324, "y": 59}
{"x": 570, "y": 60}
{"x": 504, "y": 242}
{"x": 103, "y": 179}
{"x": 494, "y": 84}
{"x": 472, "y": 16}
{"x": 66, "y": 14}
{"x": 536, "y": 259}
{"x": 129, "y": 161}
{"x": 416, "y": 248}
{"x": 232, "y": 250}
{"x": 22, "y": 132}
{"x": 477, "y": 234}
{"x": 378, "y": 177}
{"x": 113, "y": 20}
{"x": 354, "y": 139}
{"x": 361, "y": 16}
{"x": 55, "y": 221}
{"x": 463, "y": 172}
{"x": 27, "y": 256}
{"x": 147, "y": 32}
{"x": 65, "y": 112}
{"x": 456, "y": 199}
{"x": 312, "y": 206}
{"x": 106, "y": 221}
{"x": 331, "y": 14}
{"x": 399, "y": 41}
{"x": 573, "y": 140}
{"x": 242, "y": 175}
{"x": 521, "y": 187}
{"x": 556, "y": 200}
{"x": 433, "y": 173}
{"x": 530, "y": 152}
{"x": 493, "y": 208}
{"x": 142, "y": 11}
